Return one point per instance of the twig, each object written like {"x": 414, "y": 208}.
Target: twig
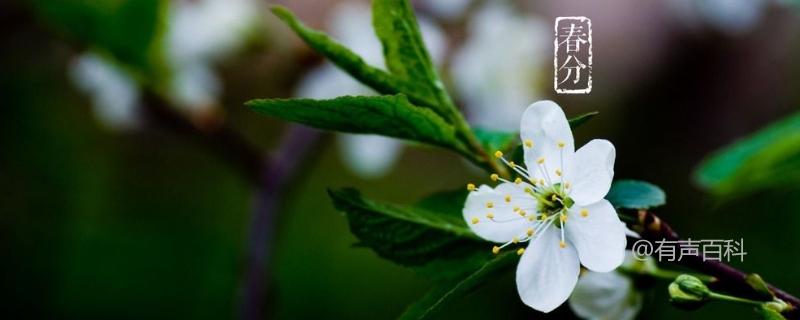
{"x": 270, "y": 175}
{"x": 276, "y": 173}
{"x": 224, "y": 141}
{"x": 730, "y": 279}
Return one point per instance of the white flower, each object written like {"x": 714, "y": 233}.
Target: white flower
{"x": 731, "y": 16}
{"x": 556, "y": 205}
{"x": 447, "y": 9}
{"x": 113, "y": 91}
{"x": 496, "y": 84}
{"x": 199, "y": 34}
{"x": 606, "y": 295}
{"x": 208, "y": 30}
{"x": 368, "y": 156}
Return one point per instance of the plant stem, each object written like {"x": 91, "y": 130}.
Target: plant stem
{"x": 221, "y": 140}
{"x": 668, "y": 275}
{"x": 276, "y": 173}
{"x": 479, "y": 156}
{"x": 269, "y": 176}
{"x": 725, "y": 297}
{"x": 728, "y": 278}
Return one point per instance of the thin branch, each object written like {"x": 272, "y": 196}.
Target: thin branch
{"x": 222, "y": 140}
{"x": 269, "y": 175}
{"x": 276, "y": 173}
{"x": 730, "y": 279}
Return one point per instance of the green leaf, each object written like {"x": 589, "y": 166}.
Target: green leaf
{"x": 130, "y": 31}
{"x": 767, "y": 159}
{"x": 405, "y": 53}
{"x": 581, "y": 119}
{"x": 448, "y": 203}
{"x": 347, "y": 60}
{"x": 444, "y": 293}
{"x": 392, "y": 116}
{"x": 439, "y": 245}
{"x": 496, "y": 140}
{"x": 635, "y": 194}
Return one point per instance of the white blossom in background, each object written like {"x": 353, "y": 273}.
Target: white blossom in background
{"x": 501, "y": 65}
{"x": 556, "y": 204}
{"x": 351, "y": 24}
{"x": 730, "y": 16}
{"x": 199, "y": 34}
{"x": 607, "y": 295}
{"x": 445, "y": 9}
{"x": 113, "y": 92}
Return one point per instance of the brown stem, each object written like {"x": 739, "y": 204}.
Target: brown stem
{"x": 270, "y": 175}
{"x": 728, "y": 278}
{"x": 222, "y": 140}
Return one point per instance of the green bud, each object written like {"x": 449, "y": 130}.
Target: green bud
{"x": 767, "y": 313}
{"x": 777, "y": 305}
{"x": 688, "y": 292}
{"x": 759, "y": 286}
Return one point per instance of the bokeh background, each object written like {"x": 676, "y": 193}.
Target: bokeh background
{"x": 132, "y": 176}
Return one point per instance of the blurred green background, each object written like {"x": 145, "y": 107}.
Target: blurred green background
{"x": 98, "y": 222}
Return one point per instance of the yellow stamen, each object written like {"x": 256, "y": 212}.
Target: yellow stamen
{"x": 495, "y": 249}
{"x": 498, "y": 154}
{"x": 515, "y": 209}
{"x": 553, "y": 197}
{"x": 584, "y": 213}
{"x": 563, "y": 218}
{"x": 512, "y": 164}
{"x": 561, "y": 144}
{"x": 508, "y": 198}
{"x": 540, "y": 160}
{"x": 470, "y": 187}
{"x": 562, "y": 244}
{"x": 475, "y": 220}
{"x": 490, "y": 215}
{"x": 514, "y": 240}
{"x": 566, "y": 185}
{"x": 529, "y": 143}
{"x": 517, "y": 180}
{"x": 528, "y": 190}
{"x": 531, "y": 217}
{"x": 541, "y": 181}
{"x": 558, "y": 172}
{"x": 490, "y": 204}
{"x": 529, "y": 232}
{"x": 543, "y": 216}
{"x": 520, "y": 251}
{"x": 494, "y": 177}
{"x": 522, "y": 213}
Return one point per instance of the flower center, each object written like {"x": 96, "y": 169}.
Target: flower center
{"x": 548, "y": 188}
{"x": 557, "y": 199}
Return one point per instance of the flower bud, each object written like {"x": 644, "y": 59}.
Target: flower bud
{"x": 768, "y": 313}
{"x": 688, "y": 292}
{"x": 777, "y": 305}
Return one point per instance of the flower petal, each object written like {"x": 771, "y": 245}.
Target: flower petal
{"x": 605, "y": 295}
{"x": 543, "y": 127}
{"x": 591, "y": 171}
{"x": 599, "y": 236}
{"x": 547, "y": 273}
{"x": 506, "y": 223}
